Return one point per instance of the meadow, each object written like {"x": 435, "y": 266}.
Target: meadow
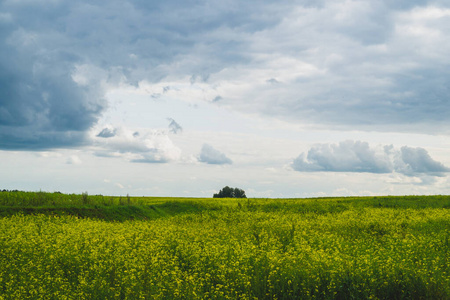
{"x": 57, "y": 246}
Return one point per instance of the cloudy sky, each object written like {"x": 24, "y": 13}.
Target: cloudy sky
{"x": 180, "y": 98}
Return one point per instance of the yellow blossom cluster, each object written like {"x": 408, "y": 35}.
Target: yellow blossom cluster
{"x": 231, "y": 253}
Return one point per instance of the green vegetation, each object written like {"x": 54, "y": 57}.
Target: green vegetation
{"x": 56, "y": 246}
{"x": 228, "y": 192}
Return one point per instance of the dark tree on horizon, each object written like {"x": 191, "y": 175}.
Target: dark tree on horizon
{"x": 228, "y": 192}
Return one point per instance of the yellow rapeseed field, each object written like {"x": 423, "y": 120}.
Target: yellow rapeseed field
{"x": 234, "y": 251}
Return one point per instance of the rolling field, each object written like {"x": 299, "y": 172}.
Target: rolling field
{"x": 57, "y": 246}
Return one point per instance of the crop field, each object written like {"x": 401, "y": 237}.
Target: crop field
{"x": 57, "y": 246}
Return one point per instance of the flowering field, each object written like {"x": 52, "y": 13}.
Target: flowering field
{"x": 338, "y": 248}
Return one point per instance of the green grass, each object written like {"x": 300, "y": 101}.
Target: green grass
{"x": 56, "y": 246}
{"x": 125, "y": 207}
{"x": 97, "y": 206}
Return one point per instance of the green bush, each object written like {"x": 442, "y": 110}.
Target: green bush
{"x": 228, "y": 192}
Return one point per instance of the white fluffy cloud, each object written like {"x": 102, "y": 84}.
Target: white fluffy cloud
{"x": 150, "y": 146}
{"x": 357, "y": 156}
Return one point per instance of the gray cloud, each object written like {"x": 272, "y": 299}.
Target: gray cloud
{"x": 357, "y": 156}
{"x": 348, "y": 156}
{"x": 174, "y": 127}
{"x": 272, "y": 81}
{"x": 375, "y": 64}
{"x": 378, "y": 65}
{"x": 417, "y": 160}
{"x": 210, "y": 155}
{"x": 107, "y": 133}
{"x": 41, "y": 106}
{"x": 45, "y": 100}
{"x": 217, "y": 99}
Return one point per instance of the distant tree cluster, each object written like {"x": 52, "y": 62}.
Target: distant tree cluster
{"x": 228, "y": 192}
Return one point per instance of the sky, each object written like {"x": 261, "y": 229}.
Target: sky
{"x": 181, "y": 98}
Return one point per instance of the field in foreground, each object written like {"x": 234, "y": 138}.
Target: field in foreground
{"x": 56, "y": 246}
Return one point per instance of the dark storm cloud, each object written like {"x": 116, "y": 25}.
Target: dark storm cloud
{"x": 357, "y": 156}
{"x": 380, "y": 65}
{"x": 43, "y": 100}
{"x": 41, "y": 106}
{"x": 212, "y": 156}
